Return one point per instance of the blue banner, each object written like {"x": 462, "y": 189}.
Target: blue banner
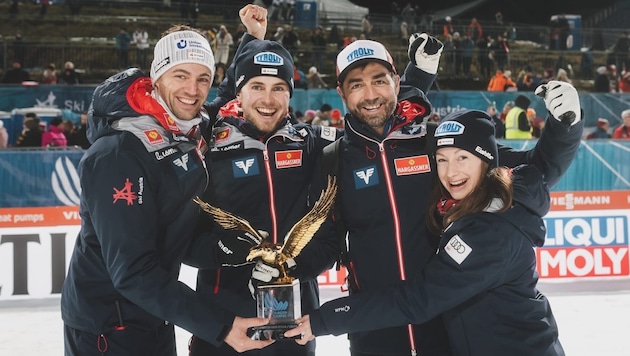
{"x": 49, "y": 177}
{"x": 40, "y": 177}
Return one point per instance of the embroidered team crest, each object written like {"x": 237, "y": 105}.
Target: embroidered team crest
{"x": 412, "y": 165}
{"x": 125, "y": 193}
{"x": 365, "y": 177}
{"x": 222, "y": 135}
{"x": 288, "y": 159}
{"x": 154, "y": 136}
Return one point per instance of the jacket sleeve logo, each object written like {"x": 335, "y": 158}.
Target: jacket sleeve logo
{"x": 125, "y": 193}
{"x": 457, "y": 249}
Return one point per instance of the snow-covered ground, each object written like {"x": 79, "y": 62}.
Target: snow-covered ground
{"x": 593, "y": 318}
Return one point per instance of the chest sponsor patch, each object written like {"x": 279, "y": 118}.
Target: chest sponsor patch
{"x": 184, "y": 164}
{"x": 328, "y": 133}
{"x": 230, "y": 147}
{"x": 412, "y": 165}
{"x": 170, "y": 122}
{"x": 457, "y": 249}
{"x": 153, "y": 136}
{"x": 125, "y": 193}
{"x": 222, "y": 135}
{"x": 161, "y": 154}
{"x": 365, "y": 177}
{"x": 288, "y": 159}
{"x": 245, "y": 167}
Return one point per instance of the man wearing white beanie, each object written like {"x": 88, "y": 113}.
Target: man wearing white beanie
{"x": 138, "y": 178}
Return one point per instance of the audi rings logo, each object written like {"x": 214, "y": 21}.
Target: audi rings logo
{"x": 65, "y": 182}
{"x": 457, "y": 249}
{"x": 457, "y": 246}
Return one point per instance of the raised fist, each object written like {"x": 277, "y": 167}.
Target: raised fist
{"x": 562, "y": 101}
{"x": 254, "y": 18}
{"x": 425, "y": 51}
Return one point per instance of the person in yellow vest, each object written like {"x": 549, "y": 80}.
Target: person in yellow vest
{"x": 517, "y": 125}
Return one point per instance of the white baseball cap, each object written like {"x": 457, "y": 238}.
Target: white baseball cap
{"x": 359, "y": 52}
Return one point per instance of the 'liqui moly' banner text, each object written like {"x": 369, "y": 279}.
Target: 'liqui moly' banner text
{"x": 587, "y": 236}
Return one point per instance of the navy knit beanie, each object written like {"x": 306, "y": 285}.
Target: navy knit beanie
{"x": 263, "y": 57}
{"x": 470, "y": 130}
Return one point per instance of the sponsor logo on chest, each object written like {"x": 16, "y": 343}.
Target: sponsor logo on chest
{"x": 365, "y": 177}
{"x": 153, "y": 136}
{"x": 245, "y": 167}
{"x": 160, "y": 155}
{"x": 288, "y": 159}
{"x": 222, "y": 135}
{"x": 184, "y": 164}
{"x": 412, "y": 165}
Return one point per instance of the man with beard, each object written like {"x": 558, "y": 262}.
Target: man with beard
{"x": 138, "y": 178}
{"x": 386, "y": 171}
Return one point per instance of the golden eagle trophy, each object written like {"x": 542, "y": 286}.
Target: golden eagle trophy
{"x": 279, "y": 299}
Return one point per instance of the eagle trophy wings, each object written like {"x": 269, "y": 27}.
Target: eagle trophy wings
{"x": 295, "y": 240}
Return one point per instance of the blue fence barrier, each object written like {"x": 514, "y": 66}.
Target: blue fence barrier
{"x": 48, "y": 177}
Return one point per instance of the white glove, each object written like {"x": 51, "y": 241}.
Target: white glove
{"x": 264, "y": 273}
{"x": 562, "y": 101}
{"x": 425, "y": 51}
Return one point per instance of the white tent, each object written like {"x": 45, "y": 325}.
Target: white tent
{"x": 342, "y": 12}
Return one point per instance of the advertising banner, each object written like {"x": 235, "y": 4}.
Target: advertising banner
{"x": 587, "y": 237}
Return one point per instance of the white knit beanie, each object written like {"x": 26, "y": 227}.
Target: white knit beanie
{"x": 181, "y": 47}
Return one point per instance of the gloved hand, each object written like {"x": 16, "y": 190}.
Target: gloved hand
{"x": 425, "y": 51}
{"x": 562, "y": 101}
{"x": 264, "y": 273}
{"x": 233, "y": 249}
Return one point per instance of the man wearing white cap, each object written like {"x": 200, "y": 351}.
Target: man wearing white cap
{"x": 145, "y": 165}
{"x": 386, "y": 170}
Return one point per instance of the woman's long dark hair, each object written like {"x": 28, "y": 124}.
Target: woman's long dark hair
{"x": 493, "y": 184}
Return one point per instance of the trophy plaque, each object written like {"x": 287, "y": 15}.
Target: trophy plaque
{"x": 281, "y": 302}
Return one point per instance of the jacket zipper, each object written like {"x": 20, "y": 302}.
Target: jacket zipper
{"x": 272, "y": 199}
{"x": 396, "y": 217}
{"x": 397, "y": 234}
